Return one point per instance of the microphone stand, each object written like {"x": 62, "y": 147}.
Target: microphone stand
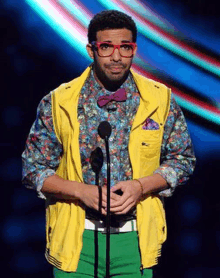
{"x": 96, "y": 161}
{"x": 104, "y": 131}
{"x": 108, "y": 210}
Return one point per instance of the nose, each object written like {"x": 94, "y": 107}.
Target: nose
{"x": 116, "y": 55}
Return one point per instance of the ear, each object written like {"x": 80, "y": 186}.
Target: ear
{"x": 90, "y": 51}
{"x": 135, "y": 50}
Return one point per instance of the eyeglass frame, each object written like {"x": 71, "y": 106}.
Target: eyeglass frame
{"x": 97, "y": 44}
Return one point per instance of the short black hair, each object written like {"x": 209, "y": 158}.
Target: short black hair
{"x": 111, "y": 19}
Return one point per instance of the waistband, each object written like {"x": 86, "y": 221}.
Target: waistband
{"x": 93, "y": 214}
{"x": 122, "y": 227}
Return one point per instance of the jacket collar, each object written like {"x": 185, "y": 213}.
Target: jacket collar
{"x": 148, "y": 103}
{"x": 71, "y": 90}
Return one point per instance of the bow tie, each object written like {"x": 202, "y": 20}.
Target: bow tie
{"x": 119, "y": 95}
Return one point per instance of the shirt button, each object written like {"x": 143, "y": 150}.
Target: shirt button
{"x": 111, "y": 164}
{"x": 111, "y": 139}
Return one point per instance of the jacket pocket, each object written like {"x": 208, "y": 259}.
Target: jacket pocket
{"x": 150, "y": 143}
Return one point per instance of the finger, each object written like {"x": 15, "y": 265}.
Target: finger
{"x": 104, "y": 196}
{"x": 104, "y": 204}
{"x": 104, "y": 212}
{"x": 112, "y": 194}
{"x": 114, "y": 197}
{"x": 120, "y": 201}
{"x": 116, "y": 187}
{"x": 122, "y": 206}
{"x": 102, "y": 209}
{"x": 126, "y": 210}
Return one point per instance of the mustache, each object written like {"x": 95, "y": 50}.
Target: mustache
{"x": 115, "y": 65}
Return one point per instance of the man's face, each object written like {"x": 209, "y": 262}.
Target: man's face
{"x": 111, "y": 71}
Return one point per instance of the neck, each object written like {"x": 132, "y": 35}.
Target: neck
{"x": 109, "y": 85}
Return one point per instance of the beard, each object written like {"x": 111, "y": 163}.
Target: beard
{"x": 108, "y": 77}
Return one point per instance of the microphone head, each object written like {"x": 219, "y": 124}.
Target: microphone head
{"x": 96, "y": 160}
{"x": 104, "y": 130}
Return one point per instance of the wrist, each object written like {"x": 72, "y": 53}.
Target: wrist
{"x": 153, "y": 184}
{"x": 79, "y": 189}
{"x": 141, "y": 186}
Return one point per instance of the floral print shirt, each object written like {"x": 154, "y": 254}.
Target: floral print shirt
{"x": 120, "y": 116}
{"x": 43, "y": 151}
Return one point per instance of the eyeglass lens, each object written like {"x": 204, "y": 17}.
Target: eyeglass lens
{"x": 105, "y": 49}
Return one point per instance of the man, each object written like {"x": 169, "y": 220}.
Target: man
{"x": 150, "y": 148}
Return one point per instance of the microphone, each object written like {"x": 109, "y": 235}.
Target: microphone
{"x": 96, "y": 160}
{"x": 104, "y": 130}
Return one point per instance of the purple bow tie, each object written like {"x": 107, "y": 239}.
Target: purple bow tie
{"x": 119, "y": 95}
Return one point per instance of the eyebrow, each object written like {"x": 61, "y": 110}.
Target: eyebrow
{"x": 124, "y": 41}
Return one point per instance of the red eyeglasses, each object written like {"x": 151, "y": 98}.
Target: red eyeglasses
{"x": 106, "y": 49}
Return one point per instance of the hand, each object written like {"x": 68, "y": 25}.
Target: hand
{"x": 132, "y": 193}
{"x": 90, "y": 196}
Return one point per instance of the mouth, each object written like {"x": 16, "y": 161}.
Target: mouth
{"x": 115, "y": 69}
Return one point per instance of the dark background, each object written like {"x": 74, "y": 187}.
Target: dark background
{"x": 32, "y": 64}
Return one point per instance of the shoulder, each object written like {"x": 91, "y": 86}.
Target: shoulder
{"x": 153, "y": 92}
{"x": 59, "y": 91}
{"x": 144, "y": 81}
{"x": 45, "y": 103}
{"x": 66, "y": 90}
{"x": 175, "y": 109}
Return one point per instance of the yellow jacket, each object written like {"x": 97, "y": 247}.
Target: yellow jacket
{"x": 65, "y": 220}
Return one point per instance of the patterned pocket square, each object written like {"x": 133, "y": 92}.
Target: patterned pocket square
{"x": 150, "y": 125}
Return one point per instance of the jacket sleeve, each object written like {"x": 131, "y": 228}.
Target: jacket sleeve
{"x": 43, "y": 151}
{"x": 177, "y": 154}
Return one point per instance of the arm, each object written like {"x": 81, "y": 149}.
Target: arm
{"x": 72, "y": 190}
{"x": 177, "y": 164}
{"x": 43, "y": 151}
{"x": 177, "y": 154}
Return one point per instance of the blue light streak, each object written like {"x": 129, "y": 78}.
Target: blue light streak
{"x": 61, "y": 26}
{"x": 165, "y": 43}
{"x": 73, "y": 9}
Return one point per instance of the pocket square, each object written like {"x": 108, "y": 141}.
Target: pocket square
{"x": 150, "y": 124}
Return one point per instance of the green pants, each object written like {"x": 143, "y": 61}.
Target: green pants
{"x": 124, "y": 257}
